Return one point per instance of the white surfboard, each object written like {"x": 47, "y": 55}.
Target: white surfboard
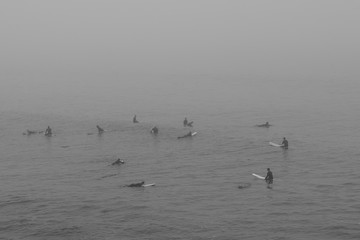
{"x": 258, "y": 176}
{"x": 275, "y": 144}
{"x": 193, "y": 134}
{"x": 149, "y": 185}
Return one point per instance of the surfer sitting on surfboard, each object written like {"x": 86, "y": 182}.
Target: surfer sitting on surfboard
{"x": 154, "y": 130}
{"x": 285, "y": 143}
{"x": 187, "y": 123}
{"x": 269, "y": 177}
{"x": 100, "y": 130}
{"x": 48, "y": 131}
{"x": 140, "y": 184}
{"x": 135, "y": 120}
{"x": 186, "y": 135}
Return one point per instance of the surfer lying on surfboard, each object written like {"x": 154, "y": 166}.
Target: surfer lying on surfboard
{"x": 118, "y": 162}
{"x": 189, "y": 134}
{"x": 140, "y": 184}
{"x": 264, "y": 125}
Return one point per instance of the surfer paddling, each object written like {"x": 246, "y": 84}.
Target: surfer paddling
{"x": 118, "y": 162}
{"x": 264, "y": 125}
{"x": 189, "y": 134}
{"x": 140, "y": 184}
{"x": 269, "y": 178}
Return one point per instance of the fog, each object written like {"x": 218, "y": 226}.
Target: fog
{"x": 216, "y": 37}
{"x": 83, "y": 40}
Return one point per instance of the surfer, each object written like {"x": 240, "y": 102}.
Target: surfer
{"x": 118, "y": 162}
{"x": 135, "y": 120}
{"x": 285, "y": 143}
{"x": 140, "y": 184}
{"x": 264, "y": 125}
{"x": 269, "y": 177}
{"x": 154, "y": 130}
{"x": 100, "y": 130}
{"x": 185, "y": 122}
{"x": 48, "y": 131}
{"x": 189, "y": 134}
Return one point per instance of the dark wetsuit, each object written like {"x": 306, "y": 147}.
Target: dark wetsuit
{"x": 187, "y": 135}
{"x": 99, "y": 129}
{"x": 285, "y": 144}
{"x": 136, "y": 184}
{"x": 155, "y": 130}
{"x": 48, "y": 132}
{"x": 185, "y": 122}
{"x": 269, "y": 177}
{"x": 118, "y": 162}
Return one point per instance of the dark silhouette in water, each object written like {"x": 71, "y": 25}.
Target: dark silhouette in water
{"x": 154, "y": 130}
{"x": 186, "y": 135}
{"x": 118, "y": 162}
{"x": 264, "y": 125}
{"x": 140, "y": 184}
{"x": 185, "y": 122}
{"x": 269, "y": 178}
{"x": 48, "y": 131}
{"x": 100, "y": 130}
{"x": 285, "y": 143}
{"x": 135, "y": 120}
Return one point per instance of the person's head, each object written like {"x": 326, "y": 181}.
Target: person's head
{"x": 142, "y": 182}
{"x": 284, "y": 138}
{"x": 267, "y": 122}
{"x": 268, "y": 169}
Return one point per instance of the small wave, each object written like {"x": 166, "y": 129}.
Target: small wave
{"x": 63, "y": 232}
{"x": 15, "y": 200}
{"x": 107, "y": 176}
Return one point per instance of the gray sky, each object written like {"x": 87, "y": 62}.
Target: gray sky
{"x": 289, "y": 37}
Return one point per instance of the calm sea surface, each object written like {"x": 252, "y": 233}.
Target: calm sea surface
{"x": 64, "y": 187}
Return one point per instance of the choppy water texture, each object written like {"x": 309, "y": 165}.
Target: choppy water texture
{"x": 64, "y": 187}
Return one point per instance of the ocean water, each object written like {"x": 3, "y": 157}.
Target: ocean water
{"x": 64, "y": 187}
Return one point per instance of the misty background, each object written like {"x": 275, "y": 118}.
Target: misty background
{"x": 72, "y": 57}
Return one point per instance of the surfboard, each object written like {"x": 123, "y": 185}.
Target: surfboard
{"x": 149, "y": 185}
{"x": 275, "y": 144}
{"x": 258, "y": 176}
{"x": 193, "y": 134}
